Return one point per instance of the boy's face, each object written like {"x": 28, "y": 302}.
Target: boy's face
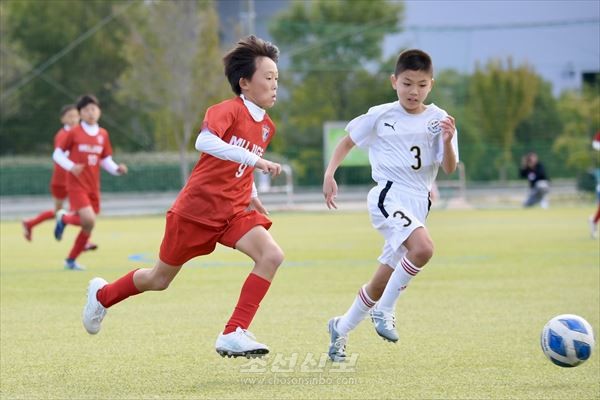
{"x": 261, "y": 89}
{"x": 70, "y": 118}
{"x": 412, "y": 88}
{"x": 90, "y": 114}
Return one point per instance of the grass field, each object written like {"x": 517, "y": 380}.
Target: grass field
{"x": 469, "y": 323}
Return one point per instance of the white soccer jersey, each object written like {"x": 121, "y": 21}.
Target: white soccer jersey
{"x": 404, "y": 148}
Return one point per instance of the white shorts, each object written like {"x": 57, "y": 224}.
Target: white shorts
{"x": 396, "y": 214}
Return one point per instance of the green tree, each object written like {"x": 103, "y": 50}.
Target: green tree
{"x": 176, "y": 69}
{"x": 331, "y": 45}
{"x": 580, "y": 113}
{"x": 12, "y": 67}
{"x": 538, "y": 131}
{"x": 502, "y": 96}
{"x": 67, "y": 48}
{"x": 451, "y": 92}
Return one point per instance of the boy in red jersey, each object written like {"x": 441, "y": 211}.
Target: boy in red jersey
{"x": 213, "y": 206}
{"x": 69, "y": 117}
{"x": 88, "y": 148}
{"x": 594, "y": 219}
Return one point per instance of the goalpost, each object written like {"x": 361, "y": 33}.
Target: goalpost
{"x": 452, "y": 189}
{"x": 284, "y": 183}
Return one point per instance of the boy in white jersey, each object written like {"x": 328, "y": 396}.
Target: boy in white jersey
{"x": 407, "y": 141}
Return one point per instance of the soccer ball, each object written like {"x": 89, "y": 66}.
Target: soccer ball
{"x": 567, "y": 340}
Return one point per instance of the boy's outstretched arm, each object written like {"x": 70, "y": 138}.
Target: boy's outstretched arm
{"x": 209, "y": 143}
{"x": 60, "y": 157}
{"x": 330, "y": 188}
{"x": 112, "y": 167}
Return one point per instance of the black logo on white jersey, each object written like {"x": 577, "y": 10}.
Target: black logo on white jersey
{"x": 390, "y": 125}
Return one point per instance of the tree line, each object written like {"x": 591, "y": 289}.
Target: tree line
{"x": 156, "y": 67}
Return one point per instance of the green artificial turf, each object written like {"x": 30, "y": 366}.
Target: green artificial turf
{"x": 469, "y": 323}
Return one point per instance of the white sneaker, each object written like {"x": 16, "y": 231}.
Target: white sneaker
{"x": 385, "y": 325}
{"x": 73, "y": 265}
{"x": 93, "y": 312}
{"x": 240, "y": 343}
{"x": 337, "y": 342}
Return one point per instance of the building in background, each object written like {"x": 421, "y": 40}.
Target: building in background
{"x": 560, "y": 39}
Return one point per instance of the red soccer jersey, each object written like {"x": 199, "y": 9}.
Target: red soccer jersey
{"x": 88, "y": 150}
{"x": 59, "y": 175}
{"x": 219, "y": 189}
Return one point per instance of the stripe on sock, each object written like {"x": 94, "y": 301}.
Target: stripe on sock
{"x": 365, "y": 298}
{"x": 408, "y": 267}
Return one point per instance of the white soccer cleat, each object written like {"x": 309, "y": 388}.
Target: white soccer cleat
{"x": 337, "y": 343}
{"x": 93, "y": 312}
{"x": 240, "y": 343}
{"x": 385, "y": 325}
{"x": 72, "y": 265}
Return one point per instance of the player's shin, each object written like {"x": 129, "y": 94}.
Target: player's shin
{"x": 253, "y": 291}
{"x": 402, "y": 275}
{"x": 79, "y": 245}
{"x": 356, "y": 313}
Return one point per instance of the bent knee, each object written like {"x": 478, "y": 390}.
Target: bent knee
{"x": 274, "y": 257}
{"x": 88, "y": 223}
{"x": 161, "y": 283}
{"x": 424, "y": 253}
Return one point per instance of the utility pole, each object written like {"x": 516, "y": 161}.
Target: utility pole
{"x": 248, "y": 17}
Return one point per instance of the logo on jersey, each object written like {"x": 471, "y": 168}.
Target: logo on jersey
{"x": 100, "y": 139}
{"x": 265, "y": 132}
{"x": 390, "y": 125}
{"x": 89, "y": 148}
{"x": 434, "y": 127}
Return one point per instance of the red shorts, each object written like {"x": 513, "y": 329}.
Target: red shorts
{"x": 58, "y": 191}
{"x": 185, "y": 239}
{"x": 79, "y": 199}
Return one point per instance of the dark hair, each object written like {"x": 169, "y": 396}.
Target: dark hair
{"x": 84, "y": 100}
{"x": 414, "y": 60}
{"x": 66, "y": 108}
{"x": 240, "y": 62}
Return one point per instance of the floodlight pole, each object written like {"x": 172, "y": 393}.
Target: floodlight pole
{"x": 248, "y": 17}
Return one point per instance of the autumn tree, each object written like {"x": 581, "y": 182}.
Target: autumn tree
{"x": 501, "y": 97}
{"x": 176, "y": 69}
{"x": 581, "y": 120}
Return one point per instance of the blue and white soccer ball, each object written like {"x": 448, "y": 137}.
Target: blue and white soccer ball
{"x": 568, "y": 340}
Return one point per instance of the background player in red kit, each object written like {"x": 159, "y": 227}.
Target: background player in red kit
{"x": 69, "y": 116}
{"x": 213, "y": 206}
{"x": 88, "y": 147}
{"x": 594, "y": 219}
